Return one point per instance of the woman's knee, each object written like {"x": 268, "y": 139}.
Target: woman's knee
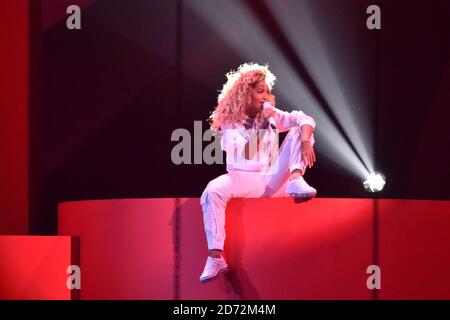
{"x": 216, "y": 189}
{"x": 297, "y": 132}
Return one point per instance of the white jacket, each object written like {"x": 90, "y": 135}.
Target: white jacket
{"x": 235, "y": 137}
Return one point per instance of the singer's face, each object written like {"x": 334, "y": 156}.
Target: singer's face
{"x": 260, "y": 94}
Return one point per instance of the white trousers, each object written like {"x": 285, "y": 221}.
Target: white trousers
{"x": 241, "y": 184}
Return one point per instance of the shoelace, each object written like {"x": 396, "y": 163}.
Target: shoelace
{"x": 217, "y": 261}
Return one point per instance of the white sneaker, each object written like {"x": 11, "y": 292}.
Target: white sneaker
{"x": 213, "y": 267}
{"x": 298, "y": 188}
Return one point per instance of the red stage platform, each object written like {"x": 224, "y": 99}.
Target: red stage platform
{"x": 35, "y": 267}
{"x": 276, "y": 249}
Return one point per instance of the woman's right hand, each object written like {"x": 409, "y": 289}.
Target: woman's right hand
{"x": 267, "y": 113}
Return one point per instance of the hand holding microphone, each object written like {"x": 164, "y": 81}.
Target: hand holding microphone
{"x": 269, "y": 112}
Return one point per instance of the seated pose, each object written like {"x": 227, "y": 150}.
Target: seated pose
{"x": 249, "y": 123}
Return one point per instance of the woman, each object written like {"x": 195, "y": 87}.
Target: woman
{"x": 249, "y": 124}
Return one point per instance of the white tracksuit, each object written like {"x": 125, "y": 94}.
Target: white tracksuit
{"x": 265, "y": 175}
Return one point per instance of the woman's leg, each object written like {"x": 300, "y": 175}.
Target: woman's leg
{"x": 287, "y": 160}
{"x": 214, "y": 200}
{"x": 215, "y": 197}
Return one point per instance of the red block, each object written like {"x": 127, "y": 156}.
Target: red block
{"x": 126, "y": 246}
{"x": 34, "y": 267}
{"x": 414, "y": 242}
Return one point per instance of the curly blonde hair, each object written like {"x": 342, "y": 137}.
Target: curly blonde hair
{"x": 235, "y": 95}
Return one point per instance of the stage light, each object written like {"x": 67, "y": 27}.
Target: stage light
{"x": 375, "y": 182}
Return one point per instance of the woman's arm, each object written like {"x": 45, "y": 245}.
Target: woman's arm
{"x": 308, "y": 154}
{"x": 286, "y": 120}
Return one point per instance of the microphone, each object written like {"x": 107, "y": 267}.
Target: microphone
{"x": 267, "y": 105}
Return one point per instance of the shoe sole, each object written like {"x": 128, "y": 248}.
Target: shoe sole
{"x": 308, "y": 195}
{"x": 225, "y": 270}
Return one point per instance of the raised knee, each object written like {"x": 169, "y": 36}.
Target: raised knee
{"x": 213, "y": 192}
{"x": 206, "y": 196}
{"x": 204, "y": 200}
{"x": 297, "y": 131}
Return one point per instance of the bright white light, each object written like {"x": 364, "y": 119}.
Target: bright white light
{"x": 375, "y": 182}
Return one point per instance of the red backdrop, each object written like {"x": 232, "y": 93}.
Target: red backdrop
{"x": 14, "y": 55}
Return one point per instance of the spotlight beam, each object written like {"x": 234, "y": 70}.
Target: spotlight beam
{"x": 273, "y": 28}
{"x": 240, "y": 27}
